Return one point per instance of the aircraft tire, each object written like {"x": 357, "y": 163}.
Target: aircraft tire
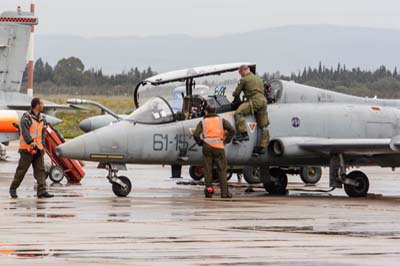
{"x": 119, "y": 190}
{"x": 278, "y": 184}
{"x": 359, "y": 191}
{"x": 56, "y": 174}
{"x": 310, "y": 175}
{"x": 195, "y": 173}
{"x": 251, "y": 174}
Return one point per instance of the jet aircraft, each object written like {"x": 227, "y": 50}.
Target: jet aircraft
{"x": 308, "y": 126}
{"x": 15, "y": 31}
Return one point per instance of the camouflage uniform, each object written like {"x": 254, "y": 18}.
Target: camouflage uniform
{"x": 215, "y": 156}
{"x": 253, "y": 88}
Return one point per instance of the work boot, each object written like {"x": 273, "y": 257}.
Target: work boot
{"x": 241, "y": 137}
{"x": 226, "y": 195}
{"x": 208, "y": 192}
{"x": 257, "y": 151}
{"x": 45, "y": 195}
{"x": 13, "y": 194}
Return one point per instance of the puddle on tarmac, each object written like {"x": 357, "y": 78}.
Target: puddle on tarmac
{"x": 26, "y": 253}
{"x": 46, "y": 215}
{"x": 281, "y": 263}
{"x": 311, "y": 230}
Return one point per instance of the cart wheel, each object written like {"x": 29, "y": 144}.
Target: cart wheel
{"x": 56, "y": 174}
{"x": 121, "y": 191}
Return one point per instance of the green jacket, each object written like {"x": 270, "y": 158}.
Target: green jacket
{"x": 252, "y": 87}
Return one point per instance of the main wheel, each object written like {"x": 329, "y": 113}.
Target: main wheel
{"x": 310, "y": 174}
{"x": 251, "y": 174}
{"x": 196, "y": 172}
{"x": 56, "y": 174}
{"x": 361, "y": 190}
{"x": 121, "y": 191}
{"x": 278, "y": 183}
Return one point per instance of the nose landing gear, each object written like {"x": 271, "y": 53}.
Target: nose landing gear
{"x": 121, "y": 185}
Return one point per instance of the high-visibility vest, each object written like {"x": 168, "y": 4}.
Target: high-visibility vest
{"x": 35, "y": 131}
{"x": 213, "y": 132}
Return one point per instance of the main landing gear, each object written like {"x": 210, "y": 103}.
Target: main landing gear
{"x": 356, "y": 183}
{"x": 274, "y": 180}
{"x": 121, "y": 185}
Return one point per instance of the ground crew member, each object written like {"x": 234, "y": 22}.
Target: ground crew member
{"x": 253, "y": 88}
{"x": 215, "y": 133}
{"x": 31, "y": 149}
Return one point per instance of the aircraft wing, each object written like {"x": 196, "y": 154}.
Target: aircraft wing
{"x": 47, "y": 106}
{"x": 347, "y": 146}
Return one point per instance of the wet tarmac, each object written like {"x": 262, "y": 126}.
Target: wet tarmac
{"x": 163, "y": 223}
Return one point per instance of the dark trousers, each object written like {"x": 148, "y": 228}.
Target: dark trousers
{"x": 214, "y": 156}
{"x": 37, "y": 162}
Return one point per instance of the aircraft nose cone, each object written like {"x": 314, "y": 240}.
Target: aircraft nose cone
{"x": 86, "y": 125}
{"x": 101, "y": 144}
{"x": 74, "y": 149}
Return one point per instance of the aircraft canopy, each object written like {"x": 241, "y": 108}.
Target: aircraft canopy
{"x": 154, "y": 111}
{"x": 196, "y": 72}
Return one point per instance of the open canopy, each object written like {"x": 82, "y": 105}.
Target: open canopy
{"x": 196, "y": 72}
{"x": 188, "y": 75}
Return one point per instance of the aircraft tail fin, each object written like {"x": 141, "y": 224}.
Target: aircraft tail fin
{"x": 15, "y": 32}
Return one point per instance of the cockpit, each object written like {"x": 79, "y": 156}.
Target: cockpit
{"x": 154, "y": 111}
{"x": 189, "y": 100}
{"x": 158, "y": 110}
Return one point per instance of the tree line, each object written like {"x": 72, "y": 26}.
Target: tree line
{"x": 69, "y": 76}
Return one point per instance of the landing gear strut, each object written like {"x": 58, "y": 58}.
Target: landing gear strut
{"x": 121, "y": 185}
{"x": 356, "y": 183}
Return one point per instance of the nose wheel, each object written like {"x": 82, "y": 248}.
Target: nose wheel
{"x": 121, "y": 185}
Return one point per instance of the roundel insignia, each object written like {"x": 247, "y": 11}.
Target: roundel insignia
{"x": 295, "y": 122}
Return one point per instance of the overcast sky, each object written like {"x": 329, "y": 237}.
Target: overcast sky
{"x": 202, "y": 17}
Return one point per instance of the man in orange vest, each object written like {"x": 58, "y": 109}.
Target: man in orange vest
{"x": 215, "y": 133}
{"x": 31, "y": 150}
